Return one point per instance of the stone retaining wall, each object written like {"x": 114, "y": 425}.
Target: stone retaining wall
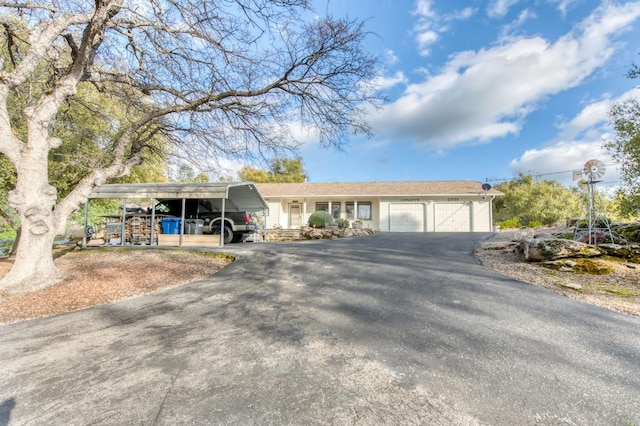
{"x": 308, "y": 233}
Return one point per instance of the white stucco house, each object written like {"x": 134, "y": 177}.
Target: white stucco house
{"x": 435, "y": 206}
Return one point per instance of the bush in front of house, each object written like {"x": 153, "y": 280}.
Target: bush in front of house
{"x": 510, "y": 223}
{"x": 343, "y": 223}
{"x": 320, "y": 219}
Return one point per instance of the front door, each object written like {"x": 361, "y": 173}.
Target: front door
{"x": 295, "y": 216}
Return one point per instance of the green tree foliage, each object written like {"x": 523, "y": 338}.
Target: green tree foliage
{"x": 8, "y": 218}
{"x": 530, "y": 200}
{"x": 84, "y": 124}
{"x": 624, "y": 147}
{"x": 186, "y": 174}
{"x": 281, "y": 170}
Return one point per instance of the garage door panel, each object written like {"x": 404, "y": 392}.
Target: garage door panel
{"x": 452, "y": 217}
{"x": 406, "y": 217}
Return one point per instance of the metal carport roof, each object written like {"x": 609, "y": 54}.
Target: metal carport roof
{"x": 239, "y": 196}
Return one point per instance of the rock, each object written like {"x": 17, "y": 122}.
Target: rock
{"x": 549, "y": 248}
{"x": 514, "y": 235}
{"x": 309, "y": 233}
{"x": 498, "y": 245}
{"x": 572, "y": 286}
{"x": 578, "y": 266}
{"x": 631, "y": 251}
{"x": 629, "y": 231}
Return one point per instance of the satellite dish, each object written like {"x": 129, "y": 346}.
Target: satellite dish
{"x": 594, "y": 169}
{"x": 486, "y": 187}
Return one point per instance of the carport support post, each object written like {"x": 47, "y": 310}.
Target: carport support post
{"x": 86, "y": 218}
{"x": 184, "y": 206}
{"x": 124, "y": 218}
{"x": 153, "y": 221}
{"x": 222, "y": 224}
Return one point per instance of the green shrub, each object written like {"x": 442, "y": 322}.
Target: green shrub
{"x": 534, "y": 224}
{"x": 320, "y": 219}
{"x": 510, "y": 223}
{"x": 343, "y": 223}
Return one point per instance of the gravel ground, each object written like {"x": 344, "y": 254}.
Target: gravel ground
{"x": 618, "y": 291}
{"x": 106, "y": 275}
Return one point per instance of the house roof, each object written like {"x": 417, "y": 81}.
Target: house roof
{"x": 367, "y": 189}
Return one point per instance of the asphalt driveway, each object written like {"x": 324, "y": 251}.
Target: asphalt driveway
{"x": 386, "y": 329}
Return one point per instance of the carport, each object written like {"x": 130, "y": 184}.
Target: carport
{"x": 227, "y": 197}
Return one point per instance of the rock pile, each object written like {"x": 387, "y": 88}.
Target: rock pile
{"x": 556, "y": 250}
{"x": 309, "y": 233}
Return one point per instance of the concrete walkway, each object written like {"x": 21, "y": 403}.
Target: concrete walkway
{"x": 386, "y": 329}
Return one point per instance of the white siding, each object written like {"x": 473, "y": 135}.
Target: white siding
{"x": 406, "y": 217}
{"x": 452, "y": 217}
{"x": 275, "y": 216}
{"x": 482, "y": 217}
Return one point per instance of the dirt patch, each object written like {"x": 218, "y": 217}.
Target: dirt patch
{"x": 107, "y": 275}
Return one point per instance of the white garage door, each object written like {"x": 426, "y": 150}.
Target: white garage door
{"x": 406, "y": 217}
{"x": 452, "y": 217}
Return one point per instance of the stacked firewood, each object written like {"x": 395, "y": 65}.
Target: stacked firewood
{"x": 138, "y": 229}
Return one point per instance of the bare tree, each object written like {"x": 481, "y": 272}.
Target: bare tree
{"x": 223, "y": 77}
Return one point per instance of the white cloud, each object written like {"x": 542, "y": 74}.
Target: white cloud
{"x": 517, "y": 23}
{"x": 390, "y": 57}
{"x": 426, "y": 35}
{"x": 386, "y": 82}
{"x": 563, "y": 5}
{"x": 565, "y": 157}
{"x": 580, "y": 140}
{"x": 593, "y": 118}
{"x": 463, "y": 14}
{"x": 430, "y": 24}
{"x": 499, "y": 8}
{"x": 485, "y": 94}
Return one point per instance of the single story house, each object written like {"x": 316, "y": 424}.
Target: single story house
{"x": 436, "y": 206}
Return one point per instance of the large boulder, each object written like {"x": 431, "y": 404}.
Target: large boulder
{"x": 547, "y": 248}
{"x": 630, "y": 251}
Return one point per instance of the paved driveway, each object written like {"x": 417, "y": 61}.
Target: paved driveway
{"x": 387, "y": 329}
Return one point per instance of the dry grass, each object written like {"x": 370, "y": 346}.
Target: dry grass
{"x": 104, "y": 275}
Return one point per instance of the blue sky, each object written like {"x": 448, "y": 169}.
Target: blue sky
{"x": 486, "y": 89}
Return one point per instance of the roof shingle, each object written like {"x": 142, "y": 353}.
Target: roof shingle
{"x": 456, "y": 188}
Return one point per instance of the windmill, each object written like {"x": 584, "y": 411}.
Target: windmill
{"x": 593, "y": 208}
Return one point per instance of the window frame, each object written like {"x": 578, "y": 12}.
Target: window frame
{"x": 369, "y": 211}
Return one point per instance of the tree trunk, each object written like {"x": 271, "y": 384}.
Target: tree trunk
{"x": 34, "y": 200}
{"x": 33, "y": 267}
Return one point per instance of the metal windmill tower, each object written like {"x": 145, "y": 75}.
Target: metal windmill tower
{"x": 594, "y": 220}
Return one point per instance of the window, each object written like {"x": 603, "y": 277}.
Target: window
{"x": 349, "y": 209}
{"x": 364, "y": 211}
{"x": 335, "y": 210}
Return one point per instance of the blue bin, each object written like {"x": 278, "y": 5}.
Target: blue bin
{"x": 171, "y": 225}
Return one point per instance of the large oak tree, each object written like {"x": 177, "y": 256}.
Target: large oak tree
{"x": 213, "y": 77}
